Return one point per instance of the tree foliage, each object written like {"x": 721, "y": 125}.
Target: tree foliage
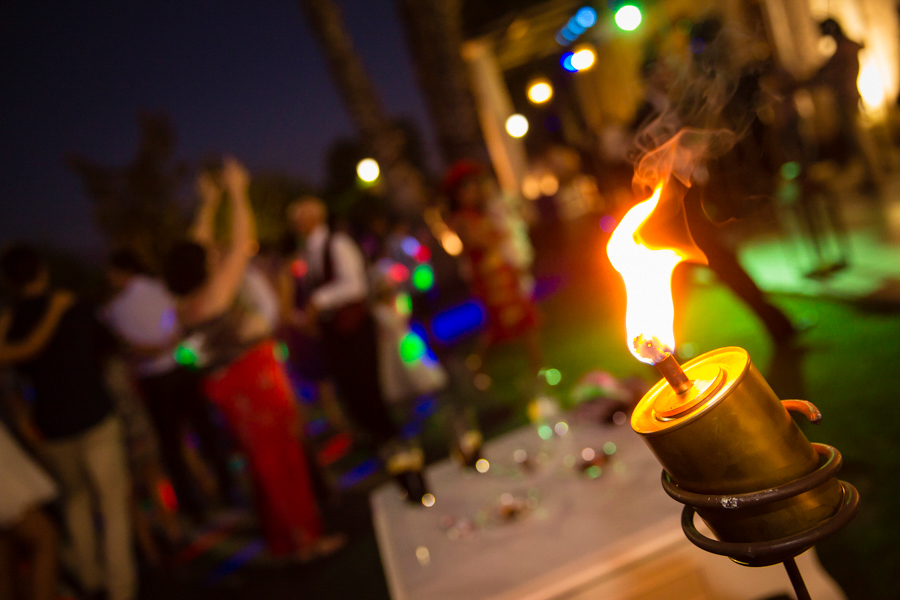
{"x": 434, "y": 36}
{"x": 142, "y": 205}
{"x": 136, "y": 205}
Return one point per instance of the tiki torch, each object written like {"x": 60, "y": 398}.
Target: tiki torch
{"x": 730, "y": 451}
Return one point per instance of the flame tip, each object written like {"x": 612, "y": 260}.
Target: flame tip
{"x": 647, "y": 274}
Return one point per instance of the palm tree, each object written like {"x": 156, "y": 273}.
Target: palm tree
{"x": 136, "y": 205}
{"x": 405, "y": 184}
{"x": 434, "y": 36}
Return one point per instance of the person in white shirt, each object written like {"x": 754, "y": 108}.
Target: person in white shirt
{"x": 338, "y": 311}
{"x": 143, "y": 316}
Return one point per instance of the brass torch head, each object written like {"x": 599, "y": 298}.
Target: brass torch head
{"x": 730, "y": 434}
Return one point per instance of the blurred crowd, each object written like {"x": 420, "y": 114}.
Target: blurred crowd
{"x": 120, "y": 418}
{"x": 114, "y": 411}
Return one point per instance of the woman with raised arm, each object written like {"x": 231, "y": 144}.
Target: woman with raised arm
{"x": 245, "y": 380}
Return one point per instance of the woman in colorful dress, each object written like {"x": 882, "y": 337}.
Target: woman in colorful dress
{"x": 245, "y": 380}
{"x": 496, "y": 278}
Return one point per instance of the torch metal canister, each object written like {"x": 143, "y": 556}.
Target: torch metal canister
{"x": 730, "y": 434}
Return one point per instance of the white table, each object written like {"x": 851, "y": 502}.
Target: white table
{"x": 616, "y": 536}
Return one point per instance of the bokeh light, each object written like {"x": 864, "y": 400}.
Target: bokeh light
{"x": 583, "y": 59}
{"x": 451, "y": 243}
{"x": 586, "y": 16}
{"x": 553, "y": 376}
{"x": 166, "y": 494}
{"x": 790, "y": 170}
{"x": 423, "y": 278}
{"x": 545, "y": 432}
{"x": 607, "y": 223}
{"x": 185, "y": 356}
{"x": 531, "y": 187}
{"x": 458, "y": 321}
{"x": 628, "y": 18}
{"x": 299, "y": 268}
{"x": 566, "y": 61}
{"x": 609, "y": 448}
{"x": 826, "y": 46}
{"x": 575, "y": 27}
{"x": 367, "y": 170}
{"x": 517, "y": 125}
{"x": 428, "y": 500}
{"x": 423, "y": 254}
{"x": 410, "y": 245}
{"x": 412, "y": 347}
{"x": 403, "y": 304}
{"x": 482, "y": 381}
{"x": 482, "y": 465}
{"x": 281, "y": 352}
{"x": 566, "y": 34}
{"x": 549, "y": 184}
{"x": 588, "y": 454}
{"x": 561, "y": 428}
{"x": 540, "y": 91}
{"x": 870, "y": 85}
{"x": 398, "y": 272}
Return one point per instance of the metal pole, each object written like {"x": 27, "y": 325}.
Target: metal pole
{"x": 796, "y": 579}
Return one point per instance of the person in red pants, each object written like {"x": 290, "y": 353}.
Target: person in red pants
{"x": 232, "y": 344}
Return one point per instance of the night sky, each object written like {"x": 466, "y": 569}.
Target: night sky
{"x": 244, "y": 77}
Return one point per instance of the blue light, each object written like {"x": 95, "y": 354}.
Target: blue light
{"x": 561, "y": 40}
{"x": 568, "y": 33}
{"x": 456, "y": 322}
{"x": 429, "y": 358}
{"x": 411, "y": 430}
{"x": 317, "y": 427}
{"x": 235, "y": 561}
{"x": 359, "y": 473}
{"x": 574, "y": 26}
{"x": 586, "y": 16}
{"x": 566, "y": 62}
{"x": 426, "y": 407}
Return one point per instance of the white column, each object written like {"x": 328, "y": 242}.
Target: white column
{"x": 494, "y": 106}
{"x": 795, "y": 34}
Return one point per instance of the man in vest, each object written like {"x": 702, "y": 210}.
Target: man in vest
{"x": 338, "y": 311}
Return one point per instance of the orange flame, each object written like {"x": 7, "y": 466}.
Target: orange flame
{"x": 647, "y": 272}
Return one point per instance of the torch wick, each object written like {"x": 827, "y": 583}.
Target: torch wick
{"x": 672, "y": 371}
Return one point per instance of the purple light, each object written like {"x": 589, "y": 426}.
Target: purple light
{"x": 410, "y": 245}
{"x": 607, "y": 223}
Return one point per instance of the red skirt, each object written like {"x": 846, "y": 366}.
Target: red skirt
{"x": 256, "y": 398}
{"x": 511, "y": 314}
